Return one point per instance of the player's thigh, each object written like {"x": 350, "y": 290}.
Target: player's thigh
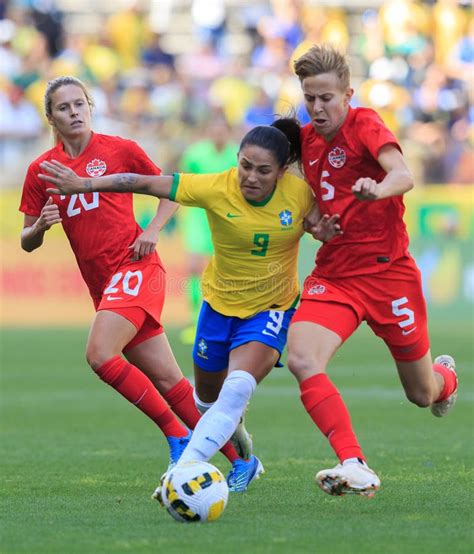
{"x": 211, "y": 352}
{"x": 207, "y": 383}
{"x": 310, "y": 348}
{"x": 109, "y": 334}
{"x": 155, "y": 358}
{"x": 140, "y": 285}
{"x": 396, "y": 311}
{"x": 255, "y": 357}
{"x": 317, "y": 330}
{"x": 212, "y": 342}
{"x": 257, "y": 342}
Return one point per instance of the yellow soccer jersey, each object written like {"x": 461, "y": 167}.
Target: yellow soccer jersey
{"x": 254, "y": 266}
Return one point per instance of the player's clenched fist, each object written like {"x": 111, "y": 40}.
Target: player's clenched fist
{"x": 49, "y": 216}
{"x": 365, "y": 189}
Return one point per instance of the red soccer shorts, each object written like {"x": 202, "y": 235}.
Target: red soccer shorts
{"x": 137, "y": 292}
{"x": 391, "y": 302}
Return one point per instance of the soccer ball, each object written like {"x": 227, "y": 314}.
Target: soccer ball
{"x": 195, "y": 492}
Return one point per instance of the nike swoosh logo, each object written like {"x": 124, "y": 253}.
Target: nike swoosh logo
{"x": 212, "y": 440}
{"x": 229, "y": 215}
{"x": 312, "y": 162}
{"x": 265, "y": 332}
{"x": 114, "y": 297}
{"x": 408, "y": 332}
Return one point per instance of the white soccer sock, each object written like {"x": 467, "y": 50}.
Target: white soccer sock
{"x": 216, "y": 426}
{"x": 200, "y": 405}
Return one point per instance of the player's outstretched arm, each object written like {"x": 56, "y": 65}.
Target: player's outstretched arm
{"x": 66, "y": 181}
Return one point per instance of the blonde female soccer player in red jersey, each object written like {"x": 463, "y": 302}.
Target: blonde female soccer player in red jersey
{"x": 356, "y": 169}
{"x": 118, "y": 262}
{"x": 250, "y": 287}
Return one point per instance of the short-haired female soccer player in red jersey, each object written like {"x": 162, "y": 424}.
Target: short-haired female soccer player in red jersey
{"x": 356, "y": 169}
{"x": 118, "y": 262}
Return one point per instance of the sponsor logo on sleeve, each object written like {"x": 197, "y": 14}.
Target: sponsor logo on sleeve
{"x": 317, "y": 289}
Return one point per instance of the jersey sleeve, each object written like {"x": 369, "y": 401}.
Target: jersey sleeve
{"x": 374, "y": 134}
{"x": 190, "y": 189}
{"x": 33, "y": 196}
{"x": 142, "y": 164}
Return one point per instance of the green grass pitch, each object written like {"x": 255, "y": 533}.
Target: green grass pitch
{"x": 78, "y": 464}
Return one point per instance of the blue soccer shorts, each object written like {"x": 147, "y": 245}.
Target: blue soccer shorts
{"x": 217, "y": 335}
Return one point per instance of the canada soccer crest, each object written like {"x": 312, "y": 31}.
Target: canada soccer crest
{"x": 96, "y": 168}
{"x": 337, "y": 157}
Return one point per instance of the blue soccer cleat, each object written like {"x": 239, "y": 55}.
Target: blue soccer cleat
{"x": 243, "y": 472}
{"x": 177, "y": 446}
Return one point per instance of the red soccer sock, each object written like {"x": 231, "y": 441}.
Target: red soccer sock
{"x": 180, "y": 398}
{"x": 450, "y": 381}
{"x": 135, "y": 386}
{"x": 327, "y": 409}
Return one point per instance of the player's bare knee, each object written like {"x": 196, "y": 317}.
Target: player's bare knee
{"x": 294, "y": 362}
{"x": 96, "y": 356}
{"x": 166, "y": 384}
{"x": 300, "y": 364}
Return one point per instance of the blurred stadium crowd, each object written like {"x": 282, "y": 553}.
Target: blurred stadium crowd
{"x": 159, "y": 70}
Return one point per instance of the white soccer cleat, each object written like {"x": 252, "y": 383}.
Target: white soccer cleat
{"x": 440, "y": 409}
{"x": 350, "y": 477}
{"x": 242, "y": 441}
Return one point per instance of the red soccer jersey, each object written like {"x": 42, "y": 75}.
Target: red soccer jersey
{"x": 99, "y": 226}
{"x": 374, "y": 232}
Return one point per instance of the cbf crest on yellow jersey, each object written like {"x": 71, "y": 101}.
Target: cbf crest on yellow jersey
{"x": 254, "y": 266}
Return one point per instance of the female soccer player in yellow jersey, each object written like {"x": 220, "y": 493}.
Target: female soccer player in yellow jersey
{"x": 250, "y": 288}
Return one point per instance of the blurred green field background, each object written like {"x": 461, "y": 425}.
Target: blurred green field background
{"x": 78, "y": 464}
